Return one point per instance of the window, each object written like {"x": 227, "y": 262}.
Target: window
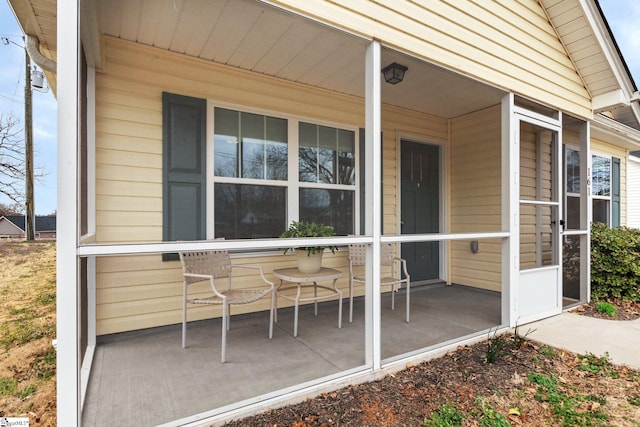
{"x": 254, "y": 192}
{"x": 572, "y": 169}
{"x": 605, "y": 190}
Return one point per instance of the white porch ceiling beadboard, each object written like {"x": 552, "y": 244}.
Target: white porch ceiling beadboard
{"x": 253, "y": 36}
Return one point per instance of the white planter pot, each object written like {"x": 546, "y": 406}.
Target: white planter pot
{"x": 309, "y": 263}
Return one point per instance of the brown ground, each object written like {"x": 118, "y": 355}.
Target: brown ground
{"x": 407, "y": 398}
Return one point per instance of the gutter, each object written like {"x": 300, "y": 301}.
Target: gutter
{"x": 33, "y": 49}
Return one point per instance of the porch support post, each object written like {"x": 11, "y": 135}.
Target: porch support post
{"x": 510, "y": 209}
{"x": 373, "y": 199}
{"x": 585, "y": 211}
{"x": 68, "y": 356}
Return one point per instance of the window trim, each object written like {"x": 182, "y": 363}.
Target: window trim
{"x": 609, "y": 198}
{"x": 293, "y": 183}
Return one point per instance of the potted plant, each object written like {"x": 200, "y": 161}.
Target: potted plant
{"x": 309, "y": 258}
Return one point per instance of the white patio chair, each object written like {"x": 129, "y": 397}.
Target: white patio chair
{"x": 198, "y": 266}
{"x": 387, "y": 259}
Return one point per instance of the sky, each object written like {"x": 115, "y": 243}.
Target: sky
{"x": 623, "y": 17}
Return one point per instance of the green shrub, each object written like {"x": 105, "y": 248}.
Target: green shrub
{"x": 615, "y": 263}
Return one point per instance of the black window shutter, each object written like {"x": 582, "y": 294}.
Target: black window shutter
{"x": 183, "y": 169}
{"x": 615, "y": 192}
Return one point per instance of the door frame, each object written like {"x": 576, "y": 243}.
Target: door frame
{"x": 552, "y": 124}
{"x": 443, "y": 268}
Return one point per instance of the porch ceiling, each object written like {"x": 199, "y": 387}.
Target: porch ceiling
{"x": 253, "y": 36}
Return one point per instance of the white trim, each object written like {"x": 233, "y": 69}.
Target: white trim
{"x": 292, "y": 183}
{"x": 91, "y": 152}
{"x": 87, "y": 362}
{"x": 67, "y": 306}
{"x": 373, "y": 201}
{"x": 510, "y": 208}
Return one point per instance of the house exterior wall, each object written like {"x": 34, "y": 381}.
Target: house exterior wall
{"x": 509, "y": 44}
{"x": 136, "y": 292}
{"x": 9, "y": 230}
{"x": 633, "y": 187}
{"x": 476, "y": 197}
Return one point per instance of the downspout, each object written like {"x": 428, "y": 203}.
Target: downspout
{"x": 33, "y": 49}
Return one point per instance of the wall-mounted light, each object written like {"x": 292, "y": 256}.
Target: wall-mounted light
{"x": 394, "y": 73}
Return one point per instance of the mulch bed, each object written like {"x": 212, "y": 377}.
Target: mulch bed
{"x": 624, "y": 310}
{"x": 464, "y": 379}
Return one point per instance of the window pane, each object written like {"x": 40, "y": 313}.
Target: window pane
{"x": 346, "y": 157}
{"x": 601, "y": 211}
{"x": 308, "y": 152}
{"x": 276, "y": 148}
{"x": 573, "y": 171}
{"x": 601, "y": 176}
{"x": 329, "y": 207}
{"x": 258, "y": 142}
{"x": 573, "y": 213}
{"x": 327, "y": 154}
{"x": 252, "y": 130}
{"x": 226, "y": 142}
{"x": 571, "y": 266}
{"x": 249, "y": 211}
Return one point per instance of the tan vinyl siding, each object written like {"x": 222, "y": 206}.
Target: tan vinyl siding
{"x": 509, "y": 44}
{"x": 476, "y": 197}
{"x": 136, "y": 292}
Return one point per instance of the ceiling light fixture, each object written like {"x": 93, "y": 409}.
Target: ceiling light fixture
{"x": 394, "y": 73}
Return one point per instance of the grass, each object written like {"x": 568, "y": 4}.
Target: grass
{"x": 27, "y": 326}
{"x": 446, "y": 416}
{"x": 567, "y": 406}
{"x": 606, "y": 308}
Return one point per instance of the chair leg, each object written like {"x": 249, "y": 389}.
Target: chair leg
{"x": 184, "y": 318}
{"x": 225, "y": 310}
{"x": 408, "y": 298}
{"x": 393, "y": 297}
{"x": 271, "y": 313}
{"x": 350, "y": 301}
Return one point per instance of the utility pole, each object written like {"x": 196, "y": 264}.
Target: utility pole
{"x": 29, "y": 223}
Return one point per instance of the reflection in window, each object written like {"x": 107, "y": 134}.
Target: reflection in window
{"x": 601, "y": 176}
{"x": 250, "y": 145}
{"x": 329, "y": 207}
{"x": 326, "y": 154}
{"x": 573, "y": 171}
{"x": 249, "y": 211}
{"x": 601, "y": 211}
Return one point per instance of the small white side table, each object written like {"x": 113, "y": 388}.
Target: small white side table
{"x": 300, "y": 279}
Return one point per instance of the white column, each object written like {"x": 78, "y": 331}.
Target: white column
{"x": 68, "y": 363}
{"x": 373, "y": 200}
{"x": 510, "y": 212}
{"x": 585, "y": 211}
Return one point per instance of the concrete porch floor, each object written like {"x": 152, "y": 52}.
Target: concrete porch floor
{"x": 145, "y": 378}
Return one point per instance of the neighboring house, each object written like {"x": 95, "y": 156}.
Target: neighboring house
{"x": 184, "y": 121}
{"x": 12, "y": 227}
{"x": 633, "y": 190}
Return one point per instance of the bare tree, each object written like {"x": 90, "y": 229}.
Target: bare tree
{"x": 12, "y": 160}
{"x": 10, "y": 210}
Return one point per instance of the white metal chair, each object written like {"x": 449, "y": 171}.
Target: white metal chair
{"x": 397, "y": 265}
{"x": 198, "y": 266}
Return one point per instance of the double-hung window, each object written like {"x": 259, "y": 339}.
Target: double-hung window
{"x": 255, "y": 189}
{"x": 605, "y": 189}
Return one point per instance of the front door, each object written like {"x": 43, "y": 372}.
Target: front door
{"x": 540, "y": 282}
{"x": 420, "y": 207}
